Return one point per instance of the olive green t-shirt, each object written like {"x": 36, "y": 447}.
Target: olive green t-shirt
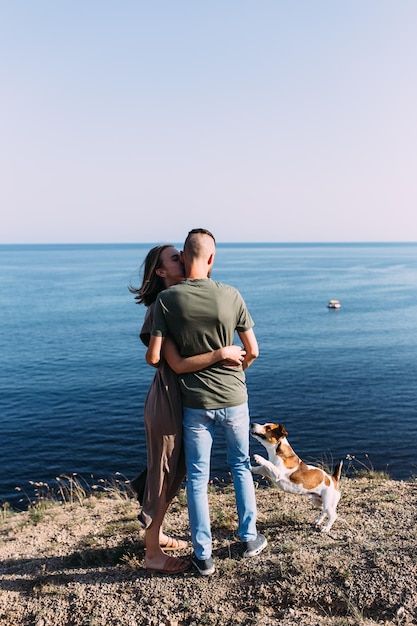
{"x": 201, "y": 315}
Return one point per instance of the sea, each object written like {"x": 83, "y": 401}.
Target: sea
{"x": 73, "y": 376}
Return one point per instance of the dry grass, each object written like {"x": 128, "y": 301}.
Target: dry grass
{"x": 81, "y": 562}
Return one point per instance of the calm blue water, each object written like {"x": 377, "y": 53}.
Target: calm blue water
{"x": 73, "y": 377}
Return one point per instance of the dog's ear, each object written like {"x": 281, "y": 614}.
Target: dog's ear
{"x": 282, "y": 430}
{"x": 277, "y": 432}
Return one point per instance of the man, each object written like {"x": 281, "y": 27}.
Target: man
{"x": 200, "y": 314}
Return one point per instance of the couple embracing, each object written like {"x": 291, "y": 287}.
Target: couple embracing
{"x": 189, "y": 329}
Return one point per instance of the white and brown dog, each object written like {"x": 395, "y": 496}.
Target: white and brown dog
{"x": 284, "y": 468}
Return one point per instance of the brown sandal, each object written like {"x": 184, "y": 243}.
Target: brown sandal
{"x": 172, "y": 543}
{"x": 173, "y": 565}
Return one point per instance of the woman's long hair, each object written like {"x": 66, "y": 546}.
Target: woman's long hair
{"x": 152, "y": 284}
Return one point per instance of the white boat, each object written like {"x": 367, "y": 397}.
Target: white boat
{"x": 334, "y": 304}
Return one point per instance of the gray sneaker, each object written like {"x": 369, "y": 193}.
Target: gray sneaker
{"x": 255, "y": 547}
{"x": 204, "y": 566}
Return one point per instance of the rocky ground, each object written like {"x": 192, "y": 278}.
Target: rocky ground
{"x": 82, "y": 563}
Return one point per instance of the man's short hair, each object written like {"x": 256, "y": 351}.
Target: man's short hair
{"x": 199, "y": 231}
{"x": 192, "y": 245}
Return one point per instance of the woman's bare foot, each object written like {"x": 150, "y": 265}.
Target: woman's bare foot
{"x": 171, "y": 543}
{"x": 164, "y": 564}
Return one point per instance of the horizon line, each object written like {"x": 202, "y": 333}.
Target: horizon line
{"x": 226, "y": 243}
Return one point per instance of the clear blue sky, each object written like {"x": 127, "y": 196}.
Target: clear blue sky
{"x": 264, "y": 120}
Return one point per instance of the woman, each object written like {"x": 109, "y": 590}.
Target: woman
{"x": 163, "y": 413}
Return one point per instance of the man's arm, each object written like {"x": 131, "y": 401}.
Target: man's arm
{"x": 250, "y": 345}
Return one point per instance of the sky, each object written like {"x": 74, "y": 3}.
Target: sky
{"x": 261, "y": 120}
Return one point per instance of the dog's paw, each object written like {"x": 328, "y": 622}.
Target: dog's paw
{"x": 259, "y": 459}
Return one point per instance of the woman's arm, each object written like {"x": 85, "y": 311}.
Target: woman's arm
{"x": 153, "y": 353}
{"x": 231, "y": 356}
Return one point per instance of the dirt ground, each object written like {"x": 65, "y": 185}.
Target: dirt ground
{"x": 82, "y": 564}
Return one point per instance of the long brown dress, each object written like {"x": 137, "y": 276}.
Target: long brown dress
{"x": 163, "y": 426}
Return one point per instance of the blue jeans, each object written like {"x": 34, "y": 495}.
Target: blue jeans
{"x": 198, "y": 432}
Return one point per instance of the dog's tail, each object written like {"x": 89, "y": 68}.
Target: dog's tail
{"x": 337, "y": 474}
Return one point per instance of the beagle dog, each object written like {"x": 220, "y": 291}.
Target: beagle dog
{"x": 284, "y": 468}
